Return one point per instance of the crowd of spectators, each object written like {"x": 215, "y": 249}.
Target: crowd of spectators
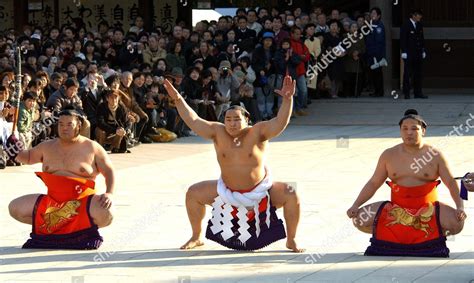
{"x": 114, "y": 78}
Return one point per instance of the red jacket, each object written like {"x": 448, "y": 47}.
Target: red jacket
{"x": 299, "y": 48}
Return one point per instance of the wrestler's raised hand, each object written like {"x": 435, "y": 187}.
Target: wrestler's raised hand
{"x": 460, "y": 214}
{"x": 352, "y": 212}
{"x": 172, "y": 92}
{"x": 288, "y": 88}
{"x": 106, "y": 200}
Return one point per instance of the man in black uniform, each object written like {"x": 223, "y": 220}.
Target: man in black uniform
{"x": 245, "y": 36}
{"x": 413, "y": 53}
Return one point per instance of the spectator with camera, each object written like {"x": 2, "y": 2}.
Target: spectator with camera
{"x": 227, "y": 87}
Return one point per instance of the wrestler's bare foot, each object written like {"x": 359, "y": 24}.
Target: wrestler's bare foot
{"x": 192, "y": 243}
{"x": 291, "y": 244}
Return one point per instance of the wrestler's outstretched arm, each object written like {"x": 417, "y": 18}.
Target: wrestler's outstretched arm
{"x": 448, "y": 180}
{"x": 375, "y": 182}
{"x": 274, "y": 127}
{"x": 33, "y": 155}
{"x": 203, "y": 128}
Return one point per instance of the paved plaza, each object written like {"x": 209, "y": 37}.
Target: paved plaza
{"x": 328, "y": 156}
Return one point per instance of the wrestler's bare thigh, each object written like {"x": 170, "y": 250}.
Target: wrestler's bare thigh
{"x": 203, "y": 192}
{"x": 280, "y": 193}
{"x": 101, "y": 216}
{"x": 22, "y": 208}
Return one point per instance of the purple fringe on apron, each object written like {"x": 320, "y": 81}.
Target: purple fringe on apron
{"x": 267, "y": 235}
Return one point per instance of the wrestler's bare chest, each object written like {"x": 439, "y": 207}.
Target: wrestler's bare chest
{"x": 72, "y": 160}
{"x": 239, "y": 151}
{"x": 241, "y": 160}
{"x": 412, "y": 169}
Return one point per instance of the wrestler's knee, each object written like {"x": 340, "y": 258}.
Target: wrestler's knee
{"x": 192, "y": 192}
{"x": 449, "y": 221}
{"x": 453, "y": 226}
{"x": 457, "y": 227}
{"x": 108, "y": 218}
{"x": 293, "y": 197}
{"x": 13, "y": 209}
{"x": 282, "y": 194}
{"x": 364, "y": 219}
{"x": 17, "y": 209}
{"x": 102, "y": 216}
{"x": 105, "y": 218}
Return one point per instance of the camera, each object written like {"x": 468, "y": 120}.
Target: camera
{"x": 54, "y": 60}
{"x": 225, "y": 71}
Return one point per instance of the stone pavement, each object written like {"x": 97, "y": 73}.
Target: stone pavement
{"x": 328, "y": 156}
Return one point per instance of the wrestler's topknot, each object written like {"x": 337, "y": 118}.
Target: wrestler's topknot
{"x": 413, "y": 114}
{"x": 410, "y": 112}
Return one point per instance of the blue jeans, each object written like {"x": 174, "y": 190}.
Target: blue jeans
{"x": 301, "y": 92}
{"x": 264, "y": 102}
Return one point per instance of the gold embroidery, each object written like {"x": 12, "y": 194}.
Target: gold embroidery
{"x": 418, "y": 222}
{"x": 55, "y": 215}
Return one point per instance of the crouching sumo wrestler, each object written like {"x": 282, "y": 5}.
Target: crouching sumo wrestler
{"x": 245, "y": 197}
{"x": 69, "y": 215}
{"x": 414, "y": 222}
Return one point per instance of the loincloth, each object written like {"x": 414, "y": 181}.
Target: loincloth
{"x": 408, "y": 225}
{"x": 61, "y": 218}
{"x": 245, "y": 220}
